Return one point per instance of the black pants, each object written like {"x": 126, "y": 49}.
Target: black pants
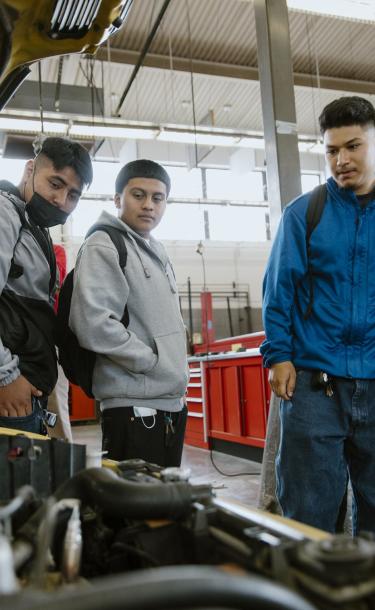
{"x": 127, "y": 437}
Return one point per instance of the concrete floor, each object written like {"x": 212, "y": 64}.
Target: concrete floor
{"x": 243, "y": 488}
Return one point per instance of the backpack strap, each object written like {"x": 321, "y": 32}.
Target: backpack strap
{"x": 117, "y": 238}
{"x": 41, "y": 236}
{"x": 313, "y": 215}
{"x": 315, "y": 209}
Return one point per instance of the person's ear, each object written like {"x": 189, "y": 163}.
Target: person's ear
{"x": 117, "y": 200}
{"x": 29, "y": 169}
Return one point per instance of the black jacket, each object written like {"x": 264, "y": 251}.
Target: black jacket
{"x": 27, "y": 319}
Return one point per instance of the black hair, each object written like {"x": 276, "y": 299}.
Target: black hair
{"x": 142, "y": 168}
{"x": 349, "y": 110}
{"x": 66, "y": 153}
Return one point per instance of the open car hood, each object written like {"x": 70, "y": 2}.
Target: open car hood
{"x": 45, "y": 28}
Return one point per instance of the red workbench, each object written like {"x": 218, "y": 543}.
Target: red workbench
{"x": 228, "y": 393}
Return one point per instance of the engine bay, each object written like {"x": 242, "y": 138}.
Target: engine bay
{"x": 134, "y": 535}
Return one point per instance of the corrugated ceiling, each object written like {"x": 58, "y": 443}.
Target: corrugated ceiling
{"x": 222, "y": 32}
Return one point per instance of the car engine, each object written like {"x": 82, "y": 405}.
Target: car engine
{"x": 134, "y": 535}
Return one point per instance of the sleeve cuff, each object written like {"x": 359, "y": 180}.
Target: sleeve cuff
{"x": 10, "y": 377}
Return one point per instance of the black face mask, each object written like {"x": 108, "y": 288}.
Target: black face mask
{"x": 43, "y": 213}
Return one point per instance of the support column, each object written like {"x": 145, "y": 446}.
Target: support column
{"x": 283, "y": 168}
{"x": 278, "y": 105}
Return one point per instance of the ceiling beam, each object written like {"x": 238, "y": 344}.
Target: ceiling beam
{"x": 183, "y": 64}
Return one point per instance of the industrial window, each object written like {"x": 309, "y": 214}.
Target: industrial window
{"x": 185, "y": 183}
{"x": 181, "y": 221}
{"x": 309, "y": 181}
{"x": 236, "y": 223}
{"x": 87, "y": 213}
{"x": 225, "y": 184}
{"x": 105, "y": 175}
{"x": 12, "y": 170}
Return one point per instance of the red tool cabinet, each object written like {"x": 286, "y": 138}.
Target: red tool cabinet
{"x": 80, "y": 406}
{"x": 228, "y": 394}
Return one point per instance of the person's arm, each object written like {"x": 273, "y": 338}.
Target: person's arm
{"x": 287, "y": 265}
{"x": 99, "y": 297}
{"x": 15, "y": 390}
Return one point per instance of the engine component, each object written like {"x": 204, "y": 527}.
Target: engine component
{"x": 72, "y": 550}
{"x": 43, "y": 464}
{"x": 340, "y": 568}
{"x": 8, "y": 581}
{"x": 181, "y": 587}
{"x": 151, "y": 540}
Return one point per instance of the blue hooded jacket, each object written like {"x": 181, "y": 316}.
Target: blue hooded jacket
{"x": 339, "y": 336}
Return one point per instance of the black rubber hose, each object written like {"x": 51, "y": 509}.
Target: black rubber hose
{"x": 103, "y": 489}
{"x": 174, "y": 588}
{"x": 121, "y": 498}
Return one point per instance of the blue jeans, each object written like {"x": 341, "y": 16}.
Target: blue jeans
{"x": 29, "y": 423}
{"x": 323, "y": 440}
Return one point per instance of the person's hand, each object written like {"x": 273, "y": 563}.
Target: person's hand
{"x": 15, "y": 398}
{"x": 282, "y": 378}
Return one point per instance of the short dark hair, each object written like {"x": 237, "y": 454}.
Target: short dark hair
{"x": 142, "y": 168}
{"x": 66, "y": 153}
{"x": 349, "y": 110}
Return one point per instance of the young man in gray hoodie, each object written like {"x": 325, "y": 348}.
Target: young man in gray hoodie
{"x": 141, "y": 371}
{"x": 48, "y": 192}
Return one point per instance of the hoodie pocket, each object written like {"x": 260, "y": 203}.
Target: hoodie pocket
{"x": 169, "y": 376}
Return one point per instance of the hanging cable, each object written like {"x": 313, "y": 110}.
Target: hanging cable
{"x": 90, "y": 79}
{"x": 58, "y": 83}
{"x": 309, "y": 36}
{"x": 40, "y": 96}
{"x": 111, "y": 111}
{"x": 192, "y": 82}
{"x": 171, "y": 72}
{"x": 143, "y": 54}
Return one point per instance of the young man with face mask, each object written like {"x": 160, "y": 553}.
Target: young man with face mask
{"x": 322, "y": 365}
{"x": 141, "y": 374}
{"x": 49, "y": 191}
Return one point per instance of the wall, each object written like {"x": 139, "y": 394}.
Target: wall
{"x": 225, "y": 263}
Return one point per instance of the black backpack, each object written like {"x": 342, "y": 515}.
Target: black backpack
{"x": 313, "y": 215}
{"x": 77, "y": 362}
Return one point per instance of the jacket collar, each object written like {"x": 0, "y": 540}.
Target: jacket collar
{"x": 341, "y": 195}
{"x": 8, "y": 187}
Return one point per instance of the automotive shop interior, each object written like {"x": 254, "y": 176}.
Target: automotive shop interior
{"x": 187, "y": 193}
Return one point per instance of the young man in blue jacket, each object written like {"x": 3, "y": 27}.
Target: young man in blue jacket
{"x": 322, "y": 365}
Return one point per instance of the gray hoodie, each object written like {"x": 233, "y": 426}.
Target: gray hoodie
{"x": 26, "y": 315}
{"x": 145, "y": 364}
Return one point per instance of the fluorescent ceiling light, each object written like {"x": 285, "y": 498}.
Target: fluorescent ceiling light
{"x": 246, "y": 142}
{"x": 78, "y": 127}
{"x": 363, "y": 10}
{"x": 180, "y": 137}
{"x": 50, "y": 127}
{"x": 19, "y": 124}
{"x": 111, "y": 131}
{"x": 213, "y": 139}
{"x": 201, "y": 138}
{"x": 31, "y": 126}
